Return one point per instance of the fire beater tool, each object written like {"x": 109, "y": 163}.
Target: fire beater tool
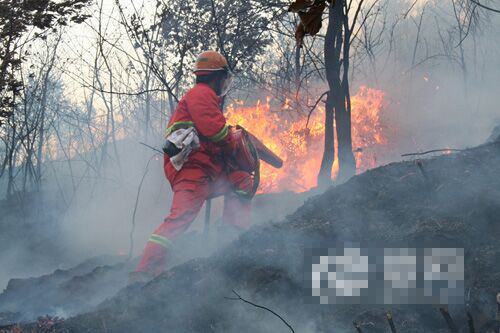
{"x": 250, "y": 151}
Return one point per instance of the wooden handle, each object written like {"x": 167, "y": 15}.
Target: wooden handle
{"x": 265, "y": 153}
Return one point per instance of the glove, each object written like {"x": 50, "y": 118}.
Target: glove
{"x": 170, "y": 149}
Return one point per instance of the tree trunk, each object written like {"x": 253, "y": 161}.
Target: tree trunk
{"x": 147, "y": 119}
{"x": 325, "y": 172}
{"x": 332, "y": 64}
{"x": 41, "y": 134}
{"x": 171, "y": 105}
{"x": 11, "y": 159}
{"x": 297, "y": 68}
{"x": 338, "y": 106}
{"x": 43, "y": 111}
{"x": 347, "y": 164}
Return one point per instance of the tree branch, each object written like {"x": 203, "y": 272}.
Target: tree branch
{"x": 132, "y": 229}
{"x": 431, "y": 151}
{"x": 314, "y": 106}
{"x": 485, "y": 7}
{"x": 260, "y": 307}
{"x": 137, "y": 93}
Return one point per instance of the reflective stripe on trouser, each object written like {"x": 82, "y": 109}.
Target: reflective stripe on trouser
{"x": 189, "y": 196}
{"x": 160, "y": 240}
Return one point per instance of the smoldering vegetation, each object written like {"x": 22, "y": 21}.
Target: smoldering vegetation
{"x": 66, "y": 292}
{"x": 451, "y": 200}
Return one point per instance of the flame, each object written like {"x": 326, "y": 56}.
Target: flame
{"x": 301, "y": 147}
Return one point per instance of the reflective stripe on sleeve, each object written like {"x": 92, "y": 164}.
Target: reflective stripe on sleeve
{"x": 160, "y": 240}
{"x": 221, "y": 135}
{"x": 177, "y": 125}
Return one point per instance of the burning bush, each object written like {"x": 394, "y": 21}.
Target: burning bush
{"x": 300, "y": 144}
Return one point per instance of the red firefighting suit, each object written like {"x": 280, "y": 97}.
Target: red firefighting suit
{"x": 204, "y": 175}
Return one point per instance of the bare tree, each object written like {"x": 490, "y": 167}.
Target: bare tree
{"x": 343, "y": 27}
{"x": 18, "y": 21}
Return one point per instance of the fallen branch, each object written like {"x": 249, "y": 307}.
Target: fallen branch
{"x": 260, "y": 307}
{"x": 431, "y": 151}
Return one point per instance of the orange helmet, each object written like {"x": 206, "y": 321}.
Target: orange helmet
{"x": 210, "y": 61}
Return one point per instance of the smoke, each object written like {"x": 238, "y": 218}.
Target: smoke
{"x": 442, "y": 90}
{"x": 62, "y": 227}
{"x": 431, "y": 105}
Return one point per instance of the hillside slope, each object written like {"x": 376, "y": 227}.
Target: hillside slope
{"x": 450, "y": 200}
{"x": 446, "y": 201}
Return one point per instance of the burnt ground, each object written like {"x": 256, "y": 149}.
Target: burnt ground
{"x": 68, "y": 292}
{"x": 446, "y": 201}
{"x": 63, "y": 292}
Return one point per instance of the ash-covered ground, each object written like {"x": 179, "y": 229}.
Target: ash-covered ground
{"x": 452, "y": 200}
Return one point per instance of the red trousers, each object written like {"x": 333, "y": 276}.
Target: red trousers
{"x": 191, "y": 189}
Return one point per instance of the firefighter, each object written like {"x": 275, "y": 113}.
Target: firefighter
{"x": 198, "y": 140}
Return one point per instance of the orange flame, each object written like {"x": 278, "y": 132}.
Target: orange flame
{"x": 301, "y": 148}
